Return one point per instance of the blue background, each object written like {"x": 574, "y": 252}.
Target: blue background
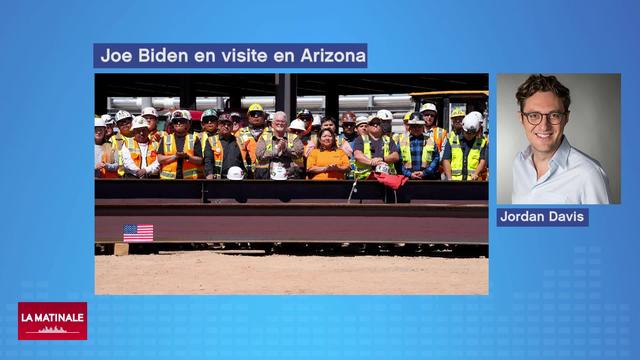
{"x": 554, "y": 293}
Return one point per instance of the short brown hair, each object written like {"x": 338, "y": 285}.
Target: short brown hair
{"x": 539, "y": 82}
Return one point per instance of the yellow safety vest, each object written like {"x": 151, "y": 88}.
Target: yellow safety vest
{"x": 457, "y": 156}
{"x": 267, "y": 137}
{"x": 364, "y": 170}
{"x": 428, "y": 147}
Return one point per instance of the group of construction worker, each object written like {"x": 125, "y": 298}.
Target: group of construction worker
{"x": 271, "y": 147}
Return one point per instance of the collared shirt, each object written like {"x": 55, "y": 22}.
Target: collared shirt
{"x": 572, "y": 178}
{"x": 416, "y": 145}
{"x": 130, "y": 165}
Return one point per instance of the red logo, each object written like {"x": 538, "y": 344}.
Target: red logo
{"x": 52, "y": 321}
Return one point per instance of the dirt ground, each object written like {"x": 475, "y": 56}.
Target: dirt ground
{"x": 207, "y": 272}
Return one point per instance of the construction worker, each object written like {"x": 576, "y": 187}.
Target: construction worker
{"x": 236, "y": 119}
{"x": 180, "y": 153}
{"x": 250, "y": 134}
{"x": 374, "y": 151}
{"x": 279, "y": 153}
{"x": 209, "y": 121}
{"x": 346, "y": 140}
{"x": 297, "y": 127}
{"x": 405, "y": 120}
{"x": 362, "y": 125}
{"x": 109, "y": 123}
{"x": 223, "y": 151}
{"x": 140, "y": 158}
{"x": 124, "y": 135}
{"x": 419, "y": 156}
{"x": 430, "y": 115}
{"x": 456, "y": 120}
{"x": 105, "y": 155}
{"x": 387, "y": 122}
{"x": 465, "y": 156}
{"x": 151, "y": 115}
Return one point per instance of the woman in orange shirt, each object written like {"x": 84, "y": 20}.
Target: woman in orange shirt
{"x": 326, "y": 161}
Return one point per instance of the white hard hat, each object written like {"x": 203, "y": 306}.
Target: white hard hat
{"x": 297, "y": 124}
{"x": 316, "y": 120}
{"x": 149, "y": 111}
{"x": 122, "y": 114}
{"x": 235, "y": 173}
{"x": 278, "y": 171}
{"x": 382, "y": 168}
{"x": 181, "y": 114}
{"x": 415, "y": 119}
{"x": 99, "y": 122}
{"x": 428, "y": 107}
{"x": 107, "y": 119}
{"x": 384, "y": 115}
{"x": 362, "y": 120}
{"x": 471, "y": 122}
{"x": 139, "y": 122}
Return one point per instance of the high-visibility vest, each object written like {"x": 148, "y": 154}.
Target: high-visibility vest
{"x": 249, "y": 144}
{"x": 364, "y": 170}
{"x": 457, "y": 155}
{"x": 428, "y": 147}
{"x": 268, "y": 140}
{"x": 118, "y": 141}
{"x": 169, "y": 171}
{"x": 136, "y": 154}
{"x": 218, "y": 152}
{"x": 438, "y": 134}
{"x": 109, "y": 155}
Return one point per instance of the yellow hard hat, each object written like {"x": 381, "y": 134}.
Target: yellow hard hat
{"x": 255, "y": 107}
{"x": 407, "y": 116}
{"x": 457, "y": 112}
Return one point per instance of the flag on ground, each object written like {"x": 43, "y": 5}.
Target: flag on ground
{"x": 137, "y": 233}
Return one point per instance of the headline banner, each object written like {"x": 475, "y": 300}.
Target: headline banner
{"x": 230, "y": 55}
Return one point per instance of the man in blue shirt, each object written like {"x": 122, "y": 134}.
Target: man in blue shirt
{"x": 419, "y": 155}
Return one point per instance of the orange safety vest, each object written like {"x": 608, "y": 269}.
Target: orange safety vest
{"x": 169, "y": 171}
{"x": 439, "y": 134}
{"x": 136, "y": 154}
{"x": 249, "y": 145}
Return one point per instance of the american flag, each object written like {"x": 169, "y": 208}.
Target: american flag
{"x": 137, "y": 233}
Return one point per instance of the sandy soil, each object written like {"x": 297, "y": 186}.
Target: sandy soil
{"x": 206, "y": 272}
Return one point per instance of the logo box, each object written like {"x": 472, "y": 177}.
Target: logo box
{"x": 52, "y": 321}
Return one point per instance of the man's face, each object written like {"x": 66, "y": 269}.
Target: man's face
{"x": 545, "y": 138}
{"x": 225, "y": 128}
{"x": 348, "y": 128}
{"x": 469, "y": 135}
{"x": 279, "y": 124}
{"x": 237, "y": 123}
{"x": 141, "y": 135}
{"x": 375, "y": 129}
{"x": 308, "y": 119}
{"x": 180, "y": 126}
{"x": 256, "y": 118}
{"x": 363, "y": 129}
{"x": 99, "y": 132}
{"x": 416, "y": 130}
{"x": 153, "y": 122}
{"x": 329, "y": 125}
{"x": 108, "y": 131}
{"x": 124, "y": 126}
{"x": 210, "y": 124}
{"x": 429, "y": 117}
{"x": 457, "y": 123}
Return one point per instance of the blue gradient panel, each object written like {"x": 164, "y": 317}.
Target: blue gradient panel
{"x": 555, "y": 293}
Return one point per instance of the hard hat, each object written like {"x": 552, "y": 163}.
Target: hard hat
{"x": 278, "y": 171}
{"x": 255, "y": 107}
{"x": 457, "y": 112}
{"x": 225, "y": 118}
{"x": 471, "y": 122}
{"x": 235, "y": 114}
{"x": 407, "y": 116}
{"x": 235, "y": 173}
{"x": 149, "y": 111}
{"x": 428, "y": 107}
{"x": 384, "y": 115}
{"x": 382, "y": 168}
{"x": 139, "y": 122}
{"x": 108, "y": 120}
{"x": 297, "y": 124}
{"x": 98, "y": 122}
{"x": 316, "y": 120}
{"x": 181, "y": 114}
{"x": 362, "y": 120}
{"x": 304, "y": 113}
{"x": 348, "y": 117}
{"x": 122, "y": 115}
{"x": 374, "y": 117}
{"x": 209, "y": 113}
{"x": 416, "y": 119}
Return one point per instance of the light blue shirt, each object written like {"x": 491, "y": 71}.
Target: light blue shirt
{"x": 572, "y": 178}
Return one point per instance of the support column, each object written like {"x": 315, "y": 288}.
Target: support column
{"x": 187, "y": 93}
{"x": 287, "y": 94}
{"x": 332, "y": 100}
